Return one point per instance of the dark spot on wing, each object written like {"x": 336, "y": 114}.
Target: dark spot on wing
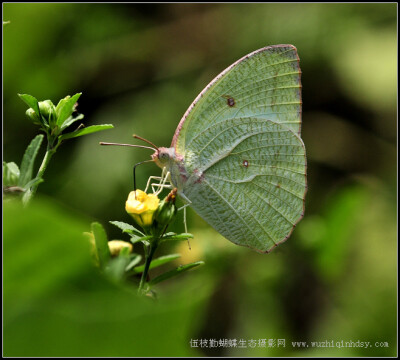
{"x": 230, "y": 100}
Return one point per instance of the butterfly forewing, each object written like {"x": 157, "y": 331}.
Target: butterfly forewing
{"x": 265, "y": 84}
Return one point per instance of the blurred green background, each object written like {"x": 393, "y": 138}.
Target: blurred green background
{"x": 139, "y": 66}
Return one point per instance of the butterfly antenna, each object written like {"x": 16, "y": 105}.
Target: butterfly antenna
{"x": 145, "y": 140}
{"x": 117, "y": 144}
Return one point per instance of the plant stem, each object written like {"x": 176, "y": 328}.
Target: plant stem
{"x": 42, "y": 169}
{"x": 149, "y": 257}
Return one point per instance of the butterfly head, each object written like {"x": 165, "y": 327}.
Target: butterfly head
{"x": 162, "y": 156}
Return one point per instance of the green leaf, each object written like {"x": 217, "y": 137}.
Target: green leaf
{"x": 28, "y": 161}
{"x": 125, "y": 252}
{"x": 27, "y": 195}
{"x": 10, "y": 173}
{"x": 169, "y": 234}
{"x": 174, "y": 272}
{"x": 115, "y": 268}
{"x": 176, "y": 237}
{"x": 135, "y": 239}
{"x": 147, "y": 237}
{"x": 33, "y": 104}
{"x": 36, "y": 180}
{"x": 53, "y": 252}
{"x": 85, "y": 131}
{"x": 135, "y": 259}
{"x": 156, "y": 262}
{"x": 101, "y": 242}
{"x": 128, "y": 228}
{"x": 71, "y": 120}
{"x": 65, "y": 108}
{"x": 31, "y": 101}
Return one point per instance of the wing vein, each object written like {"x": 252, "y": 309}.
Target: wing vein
{"x": 228, "y": 203}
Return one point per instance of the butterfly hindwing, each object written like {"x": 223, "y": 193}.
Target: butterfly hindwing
{"x": 252, "y": 187}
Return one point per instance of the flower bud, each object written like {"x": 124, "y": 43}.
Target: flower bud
{"x": 166, "y": 210}
{"x": 48, "y": 111}
{"x": 141, "y": 207}
{"x": 30, "y": 113}
{"x": 116, "y": 246}
{"x": 45, "y": 107}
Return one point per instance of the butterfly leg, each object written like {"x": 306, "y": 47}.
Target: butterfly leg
{"x": 159, "y": 178}
{"x": 184, "y": 215}
{"x": 162, "y": 184}
{"x": 188, "y": 203}
{"x": 161, "y": 187}
{"x": 185, "y": 223}
{"x": 149, "y": 181}
{"x": 186, "y": 200}
{"x": 184, "y": 220}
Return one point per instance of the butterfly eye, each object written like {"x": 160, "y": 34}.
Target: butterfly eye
{"x": 163, "y": 156}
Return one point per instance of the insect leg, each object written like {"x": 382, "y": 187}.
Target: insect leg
{"x": 149, "y": 180}
{"x": 184, "y": 222}
{"x": 163, "y": 184}
{"x": 161, "y": 187}
{"x": 184, "y": 214}
{"x": 188, "y": 203}
{"x": 186, "y": 200}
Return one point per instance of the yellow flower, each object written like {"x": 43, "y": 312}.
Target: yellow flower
{"x": 141, "y": 207}
{"x": 116, "y": 246}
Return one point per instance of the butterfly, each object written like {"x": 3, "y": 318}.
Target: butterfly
{"x": 237, "y": 157}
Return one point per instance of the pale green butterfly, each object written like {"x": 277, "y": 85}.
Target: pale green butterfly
{"x": 237, "y": 157}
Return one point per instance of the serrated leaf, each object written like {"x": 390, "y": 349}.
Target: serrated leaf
{"x": 85, "y": 131}
{"x": 28, "y": 160}
{"x": 101, "y": 242}
{"x": 126, "y": 227}
{"x": 10, "y": 173}
{"x": 174, "y": 272}
{"x": 156, "y": 262}
{"x": 71, "y": 120}
{"x": 65, "y": 108}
